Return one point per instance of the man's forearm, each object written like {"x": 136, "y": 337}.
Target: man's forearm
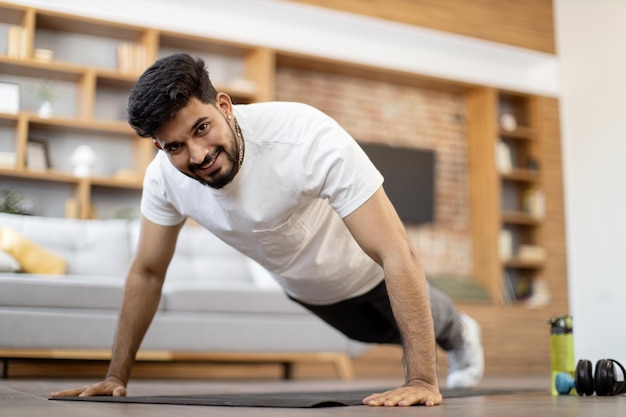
{"x": 408, "y": 294}
{"x": 140, "y": 302}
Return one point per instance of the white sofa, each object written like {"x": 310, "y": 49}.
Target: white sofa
{"x": 216, "y": 303}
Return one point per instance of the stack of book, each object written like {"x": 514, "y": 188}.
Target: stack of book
{"x": 132, "y": 58}
{"x": 17, "y": 42}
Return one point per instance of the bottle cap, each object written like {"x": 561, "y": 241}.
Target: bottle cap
{"x": 561, "y": 324}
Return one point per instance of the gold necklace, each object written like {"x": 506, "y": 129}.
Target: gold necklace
{"x": 241, "y": 148}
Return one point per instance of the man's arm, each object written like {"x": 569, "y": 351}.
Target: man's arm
{"x": 142, "y": 295}
{"x": 379, "y": 231}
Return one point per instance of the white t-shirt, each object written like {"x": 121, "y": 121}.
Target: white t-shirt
{"x": 301, "y": 174}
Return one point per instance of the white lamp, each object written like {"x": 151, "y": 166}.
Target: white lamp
{"x": 82, "y": 160}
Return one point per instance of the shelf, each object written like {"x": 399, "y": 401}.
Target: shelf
{"x": 8, "y": 119}
{"x": 199, "y": 43}
{"x": 31, "y": 68}
{"x": 115, "y": 79}
{"x": 237, "y": 94}
{"x": 58, "y": 176}
{"x": 114, "y": 182}
{"x": 521, "y": 132}
{"x": 77, "y": 125}
{"x": 64, "y": 71}
{"x": 47, "y": 175}
{"x": 87, "y": 26}
{"x": 520, "y": 218}
{"x": 12, "y": 15}
{"x": 522, "y": 264}
{"x": 521, "y": 175}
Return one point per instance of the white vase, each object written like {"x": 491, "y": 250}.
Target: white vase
{"x": 45, "y": 110}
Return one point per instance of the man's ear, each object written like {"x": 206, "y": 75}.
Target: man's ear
{"x": 157, "y": 144}
{"x": 224, "y": 103}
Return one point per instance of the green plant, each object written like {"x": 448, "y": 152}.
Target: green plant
{"x": 45, "y": 90}
{"x": 14, "y": 203}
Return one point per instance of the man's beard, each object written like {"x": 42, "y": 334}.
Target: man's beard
{"x": 218, "y": 179}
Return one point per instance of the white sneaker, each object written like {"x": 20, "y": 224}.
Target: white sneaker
{"x": 466, "y": 364}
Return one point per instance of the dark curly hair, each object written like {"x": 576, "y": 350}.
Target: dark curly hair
{"x": 164, "y": 89}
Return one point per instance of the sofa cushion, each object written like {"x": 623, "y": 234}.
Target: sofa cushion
{"x": 202, "y": 256}
{"x": 8, "y": 263}
{"x": 232, "y": 332}
{"x": 31, "y": 257}
{"x": 90, "y": 247}
{"x": 236, "y": 297}
{"x": 63, "y": 291}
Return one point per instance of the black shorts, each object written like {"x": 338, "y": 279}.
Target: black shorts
{"x": 366, "y": 318}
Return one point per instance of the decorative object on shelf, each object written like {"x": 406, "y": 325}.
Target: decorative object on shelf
{"x": 45, "y": 94}
{"x": 43, "y": 55}
{"x": 45, "y": 109}
{"x": 504, "y": 159}
{"x": 531, "y": 253}
{"x": 534, "y": 203}
{"x": 508, "y": 122}
{"x": 14, "y": 203}
{"x": 9, "y": 97}
{"x": 83, "y": 159}
{"x": 532, "y": 164}
{"x": 37, "y": 156}
{"x": 8, "y": 160}
{"x": 540, "y": 294}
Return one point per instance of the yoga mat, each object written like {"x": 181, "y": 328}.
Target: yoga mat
{"x": 311, "y": 399}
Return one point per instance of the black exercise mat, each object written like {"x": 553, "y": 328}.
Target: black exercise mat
{"x": 311, "y": 399}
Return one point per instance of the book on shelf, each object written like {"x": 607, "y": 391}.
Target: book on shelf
{"x": 505, "y": 244}
{"x": 504, "y": 159}
{"x": 516, "y": 287}
{"x": 132, "y": 58}
{"x": 534, "y": 203}
{"x": 17, "y": 38}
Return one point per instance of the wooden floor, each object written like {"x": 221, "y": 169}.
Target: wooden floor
{"x": 28, "y": 398}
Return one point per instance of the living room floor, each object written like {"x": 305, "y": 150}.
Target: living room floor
{"x": 29, "y": 398}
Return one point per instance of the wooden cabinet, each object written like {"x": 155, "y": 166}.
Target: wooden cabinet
{"x": 93, "y": 67}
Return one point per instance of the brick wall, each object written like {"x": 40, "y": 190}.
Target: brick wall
{"x": 405, "y": 116}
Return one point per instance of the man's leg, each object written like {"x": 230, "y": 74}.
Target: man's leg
{"x": 369, "y": 318}
{"x": 366, "y": 318}
{"x": 448, "y": 326}
{"x": 459, "y": 335}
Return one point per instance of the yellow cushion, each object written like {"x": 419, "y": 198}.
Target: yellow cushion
{"x": 33, "y": 258}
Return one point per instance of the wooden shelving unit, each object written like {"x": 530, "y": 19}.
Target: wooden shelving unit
{"x": 510, "y": 199}
{"x": 94, "y": 81}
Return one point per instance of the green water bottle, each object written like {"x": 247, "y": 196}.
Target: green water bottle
{"x": 561, "y": 348}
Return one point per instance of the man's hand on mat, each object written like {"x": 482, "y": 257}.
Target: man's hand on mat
{"x": 109, "y": 387}
{"x": 411, "y": 393}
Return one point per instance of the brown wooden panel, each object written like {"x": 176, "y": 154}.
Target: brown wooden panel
{"x": 484, "y": 188}
{"x": 527, "y": 24}
{"x": 546, "y": 119}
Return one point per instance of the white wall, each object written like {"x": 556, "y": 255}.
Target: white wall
{"x": 591, "y": 43}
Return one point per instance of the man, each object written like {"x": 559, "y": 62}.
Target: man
{"x": 287, "y": 186}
